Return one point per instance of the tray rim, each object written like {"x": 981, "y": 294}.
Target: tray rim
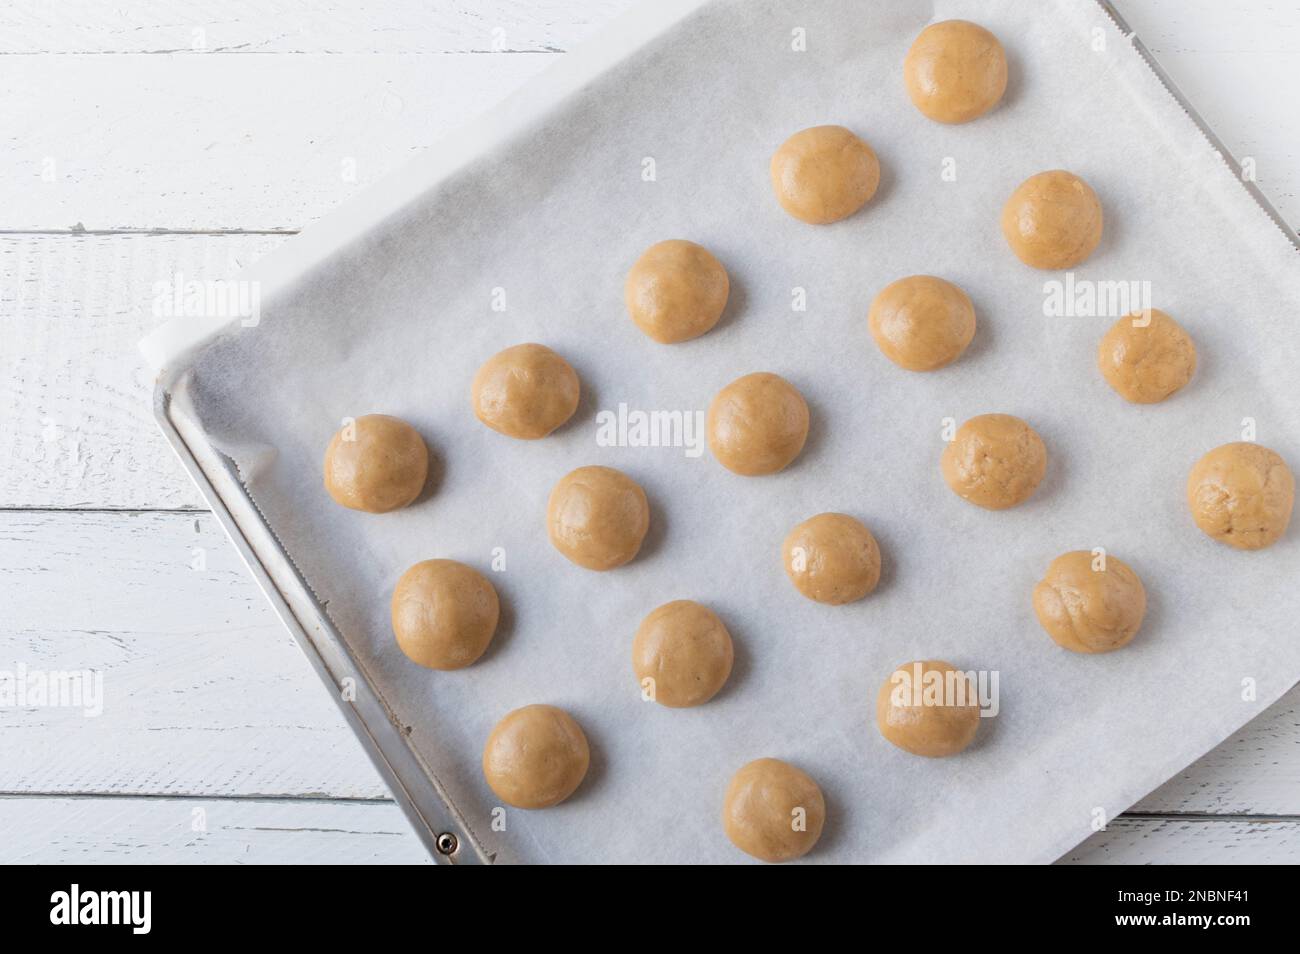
{"x": 422, "y": 800}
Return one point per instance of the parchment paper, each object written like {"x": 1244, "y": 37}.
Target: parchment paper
{"x": 400, "y": 318}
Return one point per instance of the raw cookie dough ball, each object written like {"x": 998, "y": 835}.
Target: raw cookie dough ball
{"x": 955, "y": 71}
{"x": 1146, "y": 363}
{"x": 773, "y": 811}
{"x": 757, "y": 424}
{"x": 536, "y": 757}
{"x": 995, "y": 461}
{"x": 1242, "y": 494}
{"x": 526, "y": 391}
{"x": 686, "y": 650}
{"x": 444, "y": 614}
{"x": 676, "y": 291}
{"x": 824, "y": 174}
{"x": 922, "y": 323}
{"x": 832, "y": 558}
{"x": 1053, "y": 220}
{"x": 1089, "y": 610}
{"x": 597, "y": 517}
{"x": 942, "y": 721}
{"x": 377, "y": 464}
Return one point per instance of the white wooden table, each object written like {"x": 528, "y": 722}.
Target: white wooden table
{"x": 145, "y": 138}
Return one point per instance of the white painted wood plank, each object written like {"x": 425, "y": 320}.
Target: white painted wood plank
{"x": 210, "y": 142}
{"x": 204, "y": 692}
{"x": 229, "y": 831}
{"x": 79, "y": 429}
{"x": 291, "y": 26}
{"x": 1255, "y": 771}
{"x": 1191, "y": 841}
{"x": 161, "y": 831}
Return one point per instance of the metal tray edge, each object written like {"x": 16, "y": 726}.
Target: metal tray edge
{"x": 425, "y": 805}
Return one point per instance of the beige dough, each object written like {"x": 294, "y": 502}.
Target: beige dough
{"x": 526, "y": 391}
{"x": 922, "y": 323}
{"x": 757, "y": 424}
{"x": 824, "y": 174}
{"x": 682, "y": 654}
{"x": 1089, "y": 610}
{"x": 597, "y": 517}
{"x": 832, "y": 558}
{"x": 1053, "y": 220}
{"x": 377, "y": 464}
{"x": 676, "y": 291}
{"x": 1242, "y": 494}
{"x": 444, "y": 614}
{"x": 955, "y": 71}
{"x": 1146, "y": 363}
{"x": 935, "y": 723}
{"x": 995, "y": 461}
{"x": 773, "y": 811}
{"x": 536, "y": 757}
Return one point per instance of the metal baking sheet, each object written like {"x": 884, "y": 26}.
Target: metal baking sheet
{"x": 429, "y": 754}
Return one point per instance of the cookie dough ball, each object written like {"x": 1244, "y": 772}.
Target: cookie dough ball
{"x": 773, "y": 811}
{"x": 676, "y": 291}
{"x": 1146, "y": 362}
{"x": 376, "y": 464}
{"x": 1053, "y": 220}
{"x": 955, "y": 71}
{"x": 597, "y": 517}
{"x": 832, "y": 558}
{"x": 526, "y": 391}
{"x": 757, "y": 424}
{"x": 682, "y": 654}
{"x": 1242, "y": 494}
{"x": 444, "y": 614}
{"x": 922, "y": 323}
{"x": 1090, "y": 606}
{"x": 824, "y": 174}
{"x": 995, "y": 461}
{"x": 536, "y": 757}
{"x": 928, "y": 708}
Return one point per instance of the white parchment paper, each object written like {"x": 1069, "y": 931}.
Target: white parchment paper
{"x": 400, "y": 317}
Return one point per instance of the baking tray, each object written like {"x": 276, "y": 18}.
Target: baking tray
{"x": 442, "y": 829}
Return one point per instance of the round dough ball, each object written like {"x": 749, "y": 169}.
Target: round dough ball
{"x": 1053, "y": 220}
{"x": 757, "y": 424}
{"x": 526, "y": 391}
{"x": 676, "y": 291}
{"x": 995, "y": 461}
{"x": 824, "y": 174}
{"x": 444, "y": 614}
{"x": 686, "y": 650}
{"x": 1242, "y": 494}
{"x": 536, "y": 757}
{"x": 378, "y": 464}
{"x": 597, "y": 517}
{"x": 955, "y": 71}
{"x": 773, "y": 811}
{"x": 832, "y": 558}
{"x": 1090, "y": 610}
{"x": 922, "y": 323}
{"x": 1146, "y": 363}
{"x": 935, "y": 723}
